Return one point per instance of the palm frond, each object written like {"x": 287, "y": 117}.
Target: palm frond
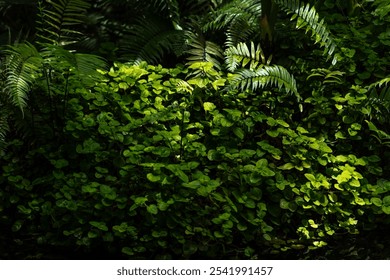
{"x": 274, "y": 75}
{"x": 307, "y": 17}
{"x": 57, "y": 20}
{"x": 241, "y": 55}
{"x": 23, "y": 65}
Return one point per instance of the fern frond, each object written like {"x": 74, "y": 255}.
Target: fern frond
{"x": 171, "y": 9}
{"x": 23, "y": 65}
{"x": 184, "y": 86}
{"x": 241, "y": 56}
{"x": 380, "y": 83}
{"x": 4, "y": 126}
{"x": 274, "y": 75}
{"x": 240, "y": 31}
{"x": 328, "y": 76}
{"x": 82, "y": 66}
{"x": 149, "y": 40}
{"x": 307, "y": 17}
{"x": 201, "y": 50}
{"x": 230, "y": 13}
{"x": 57, "y": 20}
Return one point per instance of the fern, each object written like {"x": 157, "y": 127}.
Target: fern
{"x": 4, "y": 126}
{"x": 380, "y": 101}
{"x": 241, "y": 31}
{"x": 266, "y": 76}
{"x": 380, "y": 83}
{"x": 57, "y": 20}
{"x": 307, "y": 17}
{"x": 228, "y": 14}
{"x": 171, "y": 8}
{"x": 201, "y": 50}
{"x": 329, "y": 77}
{"x": 149, "y": 40}
{"x": 23, "y": 66}
{"x": 82, "y": 66}
{"x": 241, "y": 55}
{"x": 184, "y": 86}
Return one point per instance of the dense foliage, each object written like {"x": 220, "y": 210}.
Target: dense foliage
{"x": 273, "y": 147}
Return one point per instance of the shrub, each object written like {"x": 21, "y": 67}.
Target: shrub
{"x": 174, "y": 163}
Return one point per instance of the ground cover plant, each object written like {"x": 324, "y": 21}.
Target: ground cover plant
{"x": 218, "y": 147}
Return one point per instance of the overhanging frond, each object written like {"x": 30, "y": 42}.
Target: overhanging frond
{"x": 82, "y": 66}
{"x": 23, "y": 65}
{"x": 4, "y": 126}
{"x": 149, "y": 40}
{"x": 171, "y": 9}
{"x": 380, "y": 83}
{"x": 307, "y": 17}
{"x": 57, "y": 20}
{"x": 241, "y": 30}
{"x": 228, "y": 14}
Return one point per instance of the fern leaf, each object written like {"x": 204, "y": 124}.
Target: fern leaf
{"x": 171, "y": 9}
{"x": 228, "y": 14}
{"x": 83, "y": 66}
{"x": 307, "y": 17}
{"x": 274, "y": 75}
{"x": 4, "y": 127}
{"x": 380, "y": 83}
{"x": 23, "y": 65}
{"x": 329, "y": 77}
{"x": 56, "y": 18}
{"x": 183, "y": 86}
{"x": 149, "y": 40}
{"x": 241, "y": 31}
{"x": 241, "y": 55}
{"x": 201, "y": 50}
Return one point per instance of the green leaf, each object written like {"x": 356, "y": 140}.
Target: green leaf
{"x": 60, "y": 163}
{"x": 153, "y": 178}
{"x": 208, "y": 106}
{"x": 100, "y": 225}
{"x": 386, "y": 205}
{"x": 239, "y": 132}
{"x": 310, "y": 177}
{"x": 266, "y": 172}
{"x": 286, "y": 166}
{"x": 17, "y": 225}
{"x": 376, "y": 201}
{"x": 284, "y": 204}
{"x": 152, "y": 209}
{"x": 324, "y": 148}
{"x": 128, "y": 251}
{"x": 92, "y": 234}
{"x": 313, "y": 224}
